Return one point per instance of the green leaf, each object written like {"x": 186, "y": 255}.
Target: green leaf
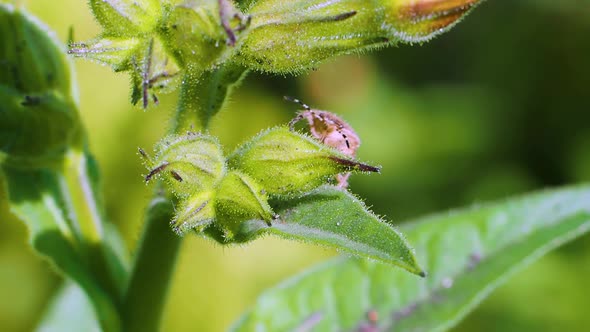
{"x": 115, "y": 52}
{"x": 468, "y": 253}
{"x": 36, "y": 197}
{"x": 58, "y": 200}
{"x": 335, "y": 218}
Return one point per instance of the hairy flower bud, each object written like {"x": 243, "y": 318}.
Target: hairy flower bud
{"x": 285, "y": 162}
{"x": 162, "y": 43}
{"x": 189, "y": 163}
{"x": 38, "y": 113}
{"x": 195, "y": 212}
{"x": 199, "y": 32}
{"x": 126, "y": 17}
{"x": 239, "y": 198}
{"x": 193, "y": 168}
{"x": 186, "y": 40}
{"x": 290, "y": 36}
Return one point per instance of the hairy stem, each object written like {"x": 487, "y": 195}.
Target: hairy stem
{"x": 153, "y": 269}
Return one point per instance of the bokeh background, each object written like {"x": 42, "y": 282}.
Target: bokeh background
{"x": 499, "y": 106}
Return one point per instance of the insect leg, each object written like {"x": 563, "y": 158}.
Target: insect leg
{"x": 342, "y": 179}
{"x": 296, "y": 119}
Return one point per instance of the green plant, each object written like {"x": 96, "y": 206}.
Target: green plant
{"x": 276, "y": 183}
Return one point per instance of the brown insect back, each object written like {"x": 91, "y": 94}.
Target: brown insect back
{"x": 331, "y": 130}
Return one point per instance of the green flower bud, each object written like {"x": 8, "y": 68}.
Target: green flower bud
{"x": 199, "y": 33}
{"x": 195, "y": 212}
{"x": 38, "y": 112}
{"x": 290, "y": 36}
{"x": 189, "y": 163}
{"x": 284, "y": 162}
{"x": 156, "y": 42}
{"x": 240, "y": 198}
{"x": 126, "y": 17}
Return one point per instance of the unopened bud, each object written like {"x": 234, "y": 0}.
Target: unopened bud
{"x": 239, "y": 198}
{"x": 126, "y": 17}
{"x": 285, "y": 162}
{"x": 199, "y": 32}
{"x": 188, "y": 163}
{"x": 297, "y": 35}
{"x": 195, "y": 212}
{"x": 38, "y": 113}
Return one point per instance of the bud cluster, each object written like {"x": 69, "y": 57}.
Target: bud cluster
{"x": 161, "y": 42}
{"x": 225, "y": 192}
{"x": 158, "y": 42}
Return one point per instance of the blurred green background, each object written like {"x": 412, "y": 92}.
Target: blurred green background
{"x": 498, "y": 106}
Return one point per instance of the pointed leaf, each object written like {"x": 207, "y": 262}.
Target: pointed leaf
{"x": 468, "y": 253}
{"x": 335, "y": 218}
{"x": 46, "y": 178}
{"x": 35, "y": 197}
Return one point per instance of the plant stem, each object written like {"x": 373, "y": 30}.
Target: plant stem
{"x": 153, "y": 269}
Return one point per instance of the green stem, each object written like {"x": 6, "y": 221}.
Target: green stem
{"x": 152, "y": 272}
{"x": 203, "y": 94}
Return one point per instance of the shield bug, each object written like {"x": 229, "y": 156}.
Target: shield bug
{"x": 329, "y": 129}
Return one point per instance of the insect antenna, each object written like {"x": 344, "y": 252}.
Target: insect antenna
{"x": 297, "y": 101}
